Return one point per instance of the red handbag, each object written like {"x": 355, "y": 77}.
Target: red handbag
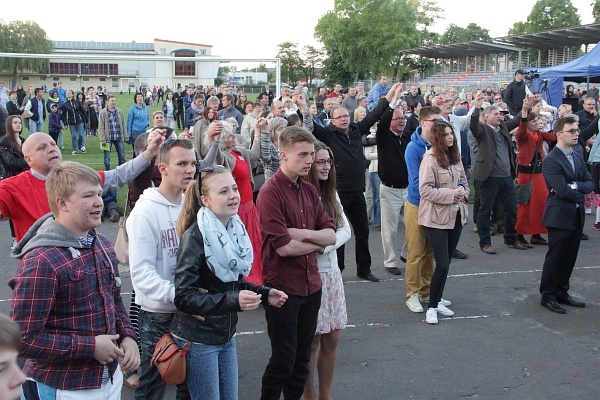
{"x": 169, "y": 359}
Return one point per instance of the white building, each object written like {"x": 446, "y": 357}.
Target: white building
{"x": 247, "y": 77}
{"x": 120, "y": 69}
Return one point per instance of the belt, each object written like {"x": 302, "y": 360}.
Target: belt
{"x": 393, "y": 186}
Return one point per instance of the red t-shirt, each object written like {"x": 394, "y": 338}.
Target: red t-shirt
{"x": 241, "y": 174}
{"x": 24, "y": 200}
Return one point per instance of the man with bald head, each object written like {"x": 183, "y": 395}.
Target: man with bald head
{"x": 277, "y": 109}
{"x": 23, "y": 197}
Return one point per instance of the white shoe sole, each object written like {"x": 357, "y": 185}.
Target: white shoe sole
{"x": 415, "y": 309}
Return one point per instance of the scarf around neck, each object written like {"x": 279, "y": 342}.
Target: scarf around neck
{"x": 227, "y": 249}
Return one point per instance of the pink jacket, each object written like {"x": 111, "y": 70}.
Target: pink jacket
{"x": 437, "y": 208}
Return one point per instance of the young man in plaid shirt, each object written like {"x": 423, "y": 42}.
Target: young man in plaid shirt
{"x": 77, "y": 336}
{"x": 112, "y": 130}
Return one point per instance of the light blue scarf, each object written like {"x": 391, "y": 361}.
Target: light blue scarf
{"x": 227, "y": 249}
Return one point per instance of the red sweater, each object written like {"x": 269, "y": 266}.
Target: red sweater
{"x": 23, "y": 199}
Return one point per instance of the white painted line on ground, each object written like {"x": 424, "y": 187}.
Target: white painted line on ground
{"x": 449, "y": 276}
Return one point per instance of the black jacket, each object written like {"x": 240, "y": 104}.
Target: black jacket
{"x": 391, "y": 165}
{"x": 72, "y": 112}
{"x": 13, "y": 162}
{"x": 219, "y": 306}
{"x": 348, "y": 150}
{"x": 514, "y": 95}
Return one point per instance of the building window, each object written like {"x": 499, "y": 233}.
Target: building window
{"x": 99, "y": 69}
{"x": 85, "y": 79}
{"x": 64, "y": 68}
{"x": 185, "y": 68}
{"x": 202, "y": 52}
{"x": 113, "y": 69}
{"x": 102, "y": 79}
{"x": 73, "y": 79}
{"x": 42, "y": 78}
{"x": 55, "y": 78}
{"x": 25, "y": 78}
{"x": 163, "y": 52}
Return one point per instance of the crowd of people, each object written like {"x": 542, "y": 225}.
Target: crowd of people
{"x": 208, "y": 239}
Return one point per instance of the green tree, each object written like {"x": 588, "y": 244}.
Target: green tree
{"x": 596, "y": 10}
{"x": 23, "y": 37}
{"x": 457, "y": 34}
{"x": 312, "y": 59}
{"x": 548, "y": 14}
{"x": 291, "y": 62}
{"x": 365, "y": 37}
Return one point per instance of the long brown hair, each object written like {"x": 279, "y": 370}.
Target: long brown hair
{"x": 13, "y": 137}
{"x": 444, "y": 156}
{"x": 192, "y": 201}
{"x": 327, "y": 188}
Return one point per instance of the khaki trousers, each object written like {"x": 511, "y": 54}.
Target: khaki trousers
{"x": 419, "y": 261}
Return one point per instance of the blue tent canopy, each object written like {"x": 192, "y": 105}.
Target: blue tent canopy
{"x": 577, "y": 70}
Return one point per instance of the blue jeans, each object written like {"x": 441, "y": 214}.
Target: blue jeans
{"x": 212, "y": 370}
{"x": 120, "y": 153}
{"x": 152, "y": 327}
{"x": 35, "y": 126}
{"x": 504, "y": 190}
{"x": 375, "y": 181}
{"x": 77, "y": 136}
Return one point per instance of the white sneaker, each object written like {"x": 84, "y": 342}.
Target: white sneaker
{"x": 431, "y": 316}
{"x": 14, "y": 244}
{"x": 74, "y": 153}
{"x": 82, "y": 149}
{"x": 413, "y": 303}
{"x": 445, "y": 302}
{"x": 445, "y": 311}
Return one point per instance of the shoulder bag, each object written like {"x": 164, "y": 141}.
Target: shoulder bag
{"x": 523, "y": 190}
{"x": 169, "y": 359}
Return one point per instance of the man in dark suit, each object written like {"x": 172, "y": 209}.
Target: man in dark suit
{"x": 568, "y": 181}
{"x": 495, "y": 169}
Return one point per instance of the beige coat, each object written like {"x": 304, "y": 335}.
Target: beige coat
{"x": 437, "y": 208}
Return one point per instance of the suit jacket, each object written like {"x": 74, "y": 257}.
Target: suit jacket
{"x": 561, "y": 209}
{"x": 484, "y": 134}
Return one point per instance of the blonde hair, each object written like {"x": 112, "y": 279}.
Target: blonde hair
{"x": 10, "y": 334}
{"x": 358, "y": 110}
{"x": 192, "y": 201}
{"x": 61, "y": 181}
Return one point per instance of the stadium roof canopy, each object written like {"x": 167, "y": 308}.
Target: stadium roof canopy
{"x": 555, "y": 38}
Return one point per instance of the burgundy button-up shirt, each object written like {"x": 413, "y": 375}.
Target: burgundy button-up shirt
{"x": 284, "y": 204}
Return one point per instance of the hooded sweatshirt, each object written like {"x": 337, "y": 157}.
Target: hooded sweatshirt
{"x": 65, "y": 294}
{"x": 413, "y": 157}
{"x": 153, "y": 246}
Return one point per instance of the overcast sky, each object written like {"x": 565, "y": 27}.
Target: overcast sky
{"x": 236, "y": 28}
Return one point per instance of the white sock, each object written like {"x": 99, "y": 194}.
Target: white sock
{"x": 597, "y": 214}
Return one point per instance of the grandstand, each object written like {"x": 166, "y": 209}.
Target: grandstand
{"x": 479, "y": 64}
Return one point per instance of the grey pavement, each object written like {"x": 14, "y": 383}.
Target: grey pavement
{"x": 500, "y": 344}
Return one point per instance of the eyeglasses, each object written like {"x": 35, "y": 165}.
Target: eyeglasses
{"x": 432, "y": 120}
{"x": 572, "y": 131}
{"x": 398, "y": 118}
{"x": 342, "y": 116}
{"x": 321, "y": 163}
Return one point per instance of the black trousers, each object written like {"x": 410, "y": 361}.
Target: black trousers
{"x": 355, "y": 208}
{"x": 291, "y": 329}
{"x": 563, "y": 247}
{"x": 180, "y": 118}
{"x": 443, "y": 243}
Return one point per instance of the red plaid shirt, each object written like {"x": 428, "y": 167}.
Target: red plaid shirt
{"x": 61, "y": 303}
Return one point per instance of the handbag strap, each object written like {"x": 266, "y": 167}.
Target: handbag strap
{"x": 534, "y": 164}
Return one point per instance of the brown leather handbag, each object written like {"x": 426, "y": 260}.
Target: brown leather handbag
{"x": 169, "y": 359}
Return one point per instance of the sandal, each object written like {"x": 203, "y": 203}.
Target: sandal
{"x": 131, "y": 380}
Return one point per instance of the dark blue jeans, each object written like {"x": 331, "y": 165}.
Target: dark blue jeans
{"x": 291, "y": 330}
{"x": 504, "y": 190}
{"x": 152, "y": 327}
{"x": 120, "y": 153}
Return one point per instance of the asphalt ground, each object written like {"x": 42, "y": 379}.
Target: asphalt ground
{"x": 500, "y": 344}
